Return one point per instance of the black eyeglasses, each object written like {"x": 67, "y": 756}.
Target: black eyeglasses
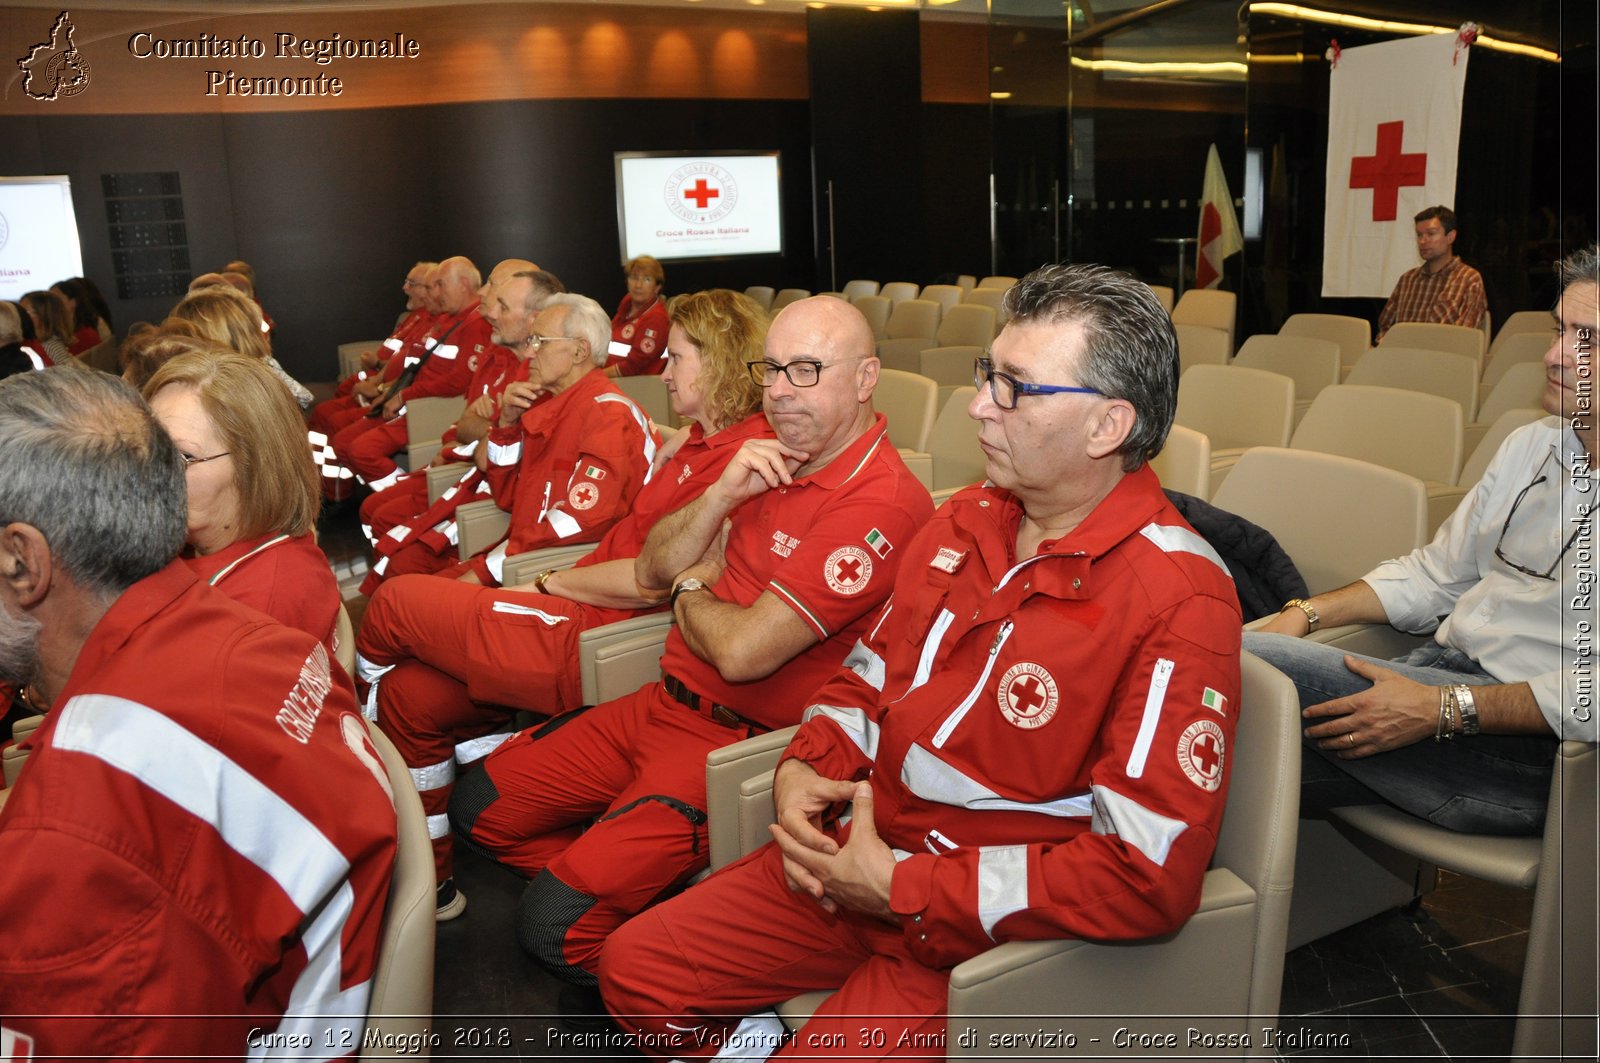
{"x": 1005, "y": 389}
{"x": 801, "y": 374}
{"x": 189, "y": 460}
{"x": 1549, "y": 573}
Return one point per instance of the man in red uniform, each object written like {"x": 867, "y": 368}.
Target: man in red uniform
{"x": 765, "y": 611}
{"x": 1034, "y": 736}
{"x": 202, "y": 808}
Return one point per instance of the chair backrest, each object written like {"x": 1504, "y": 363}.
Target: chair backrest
{"x": 949, "y": 366}
{"x": 762, "y": 295}
{"x": 401, "y": 1006}
{"x": 946, "y": 295}
{"x": 966, "y": 325}
{"x": 1211, "y": 307}
{"x": 1201, "y": 345}
{"x": 914, "y": 318}
{"x": 875, "y": 308}
{"x": 1184, "y": 463}
{"x": 344, "y": 641}
{"x": 1261, "y": 823}
{"x": 908, "y": 401}
{"x": 1521, "y": 387}
{"x": 1515, "y": 350}
{"x": 787, "y": 296}
{"x": 651, "y": 395}
{"x": 1236, "y": 407}
{"x": 1167, "y": 296}
{"x": 967, "y": 281}
{"x": 904, "y": 354}
{"x": 1404, "y": 430}
{"x": 898, "y": 291}
{"x": 427, "y": 418}
{"x": 1458, "y": 339}
{"x": 1524, "y": 321}
{"x": 953, "y": 442}
{"x": 1473, "y": 468}
{"x": 859, "y": 287}
{"x": 617, "y": 659}
{"x": 1432, "y": 372}
{"x": 350, "y": 354}
{"x": 993, "y": 298}
{"x": 1311, "y": 363}
{"x": 836, "y": 295}
{"x": 997, "y": 282}
{"x": 1352, "y": 334}
{"x": 1335, "y": 517}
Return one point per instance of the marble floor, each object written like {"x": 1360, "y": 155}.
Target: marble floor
{"x": 1437, "y": 984}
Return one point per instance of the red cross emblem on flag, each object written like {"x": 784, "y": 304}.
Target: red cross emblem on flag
{"x": 1387, "y": 170}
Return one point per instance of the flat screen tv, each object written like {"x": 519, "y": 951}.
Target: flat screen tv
{"x": 38, "y": 234}
{"x": 709, "y": 204}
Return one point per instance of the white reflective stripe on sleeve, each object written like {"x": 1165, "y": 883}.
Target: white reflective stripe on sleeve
{"x": 562, "y": 523}
{"x": 381, "y": 565}
{"x": 932, "y": 779}
{"x": 368, "y": 671}
{"x": 930, "y": 648}
{"x": 251, "y": 819}
{"x": 366, "y": 533}
{"x": 618, "y": 349}
{"x": 393, "y": 344}
{"x": 318, "y": 439}
{"x": 1175, "y": 540}
{"x": 862, "y": 731}
{"x": 1002, "y": 883}
{"x": 1154, "y": 698}
{"x": 447, "y": 351}
{"x": 474, "y": 749}
{"x": 527, "y": 610}
{"x": 430, "y": 343}
{"x": 439, "y": 826}
{"x": 399, "y": 533}
{"x": 1149, "y": 832}
{"x": 866, "y": 664}
{"x": 507, "y": 454}
{"x": 644, "y": 426}
{"x": 496, "y": 560}
{"x": 433, "y": 776}
{"x": 412, "y": 360}
{"x": 467, "y": 450}
{"x": 387, "y": 481}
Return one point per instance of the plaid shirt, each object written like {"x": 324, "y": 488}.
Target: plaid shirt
{"x": 1453, "y": 296}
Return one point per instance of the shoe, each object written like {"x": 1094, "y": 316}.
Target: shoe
{"x": 449, "y": 902}
{"x": 582, "y": 1010}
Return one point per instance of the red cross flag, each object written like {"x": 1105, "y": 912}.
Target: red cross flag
{"x": 1219, "y": 225}
{"x": 1394, "y": 123}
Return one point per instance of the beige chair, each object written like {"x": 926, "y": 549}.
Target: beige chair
{"x": 855, "y": 288}
{"x": 426, "y": 420}
{"x": 966, "y": 325}
{"x": 617, "y": 659}
{"x": 967, "y": 281}
{"x": 520, "y": 568}
{"x": 443, "y": 477}
{"x": 1184, "y": 463}
{"x": 1222, "y": 972}
{"x": 762, "y": 296}
{"x": 1335, "y": 517}
{"x": 787, "y": 296}
{"x": 344, "y": 641}
{"x": 1524, "y": 321}
{"x": 1555, "y": 1012}
{"x": 1201, "y": 345}
{"x": 350, "y": 354}
{"x": 401, "y": 1006}
{"x": 946, "y": 295}
{"x": 1513, "y": 350}
{"x": 1235, "y": 408}
{"x": 909, "y": 402}
{"x": 1483, "y": 449}
{"x": 1522, "y": 387}
{"x": 1211, "y": 307}
{"x": 949, "y": 367}
{"x": 479, "y": 525}
{"x": 898, "y": 292}
{"x": 1352, "y": 334}
{"x": 650, "y": 393}
{"x": 13, "y": 759}
{"x": 994, "y": 299}
{"x": 1457, "y": 339}
{"x": 952, "y": 458}
{"x": 875, "y": 308}
{"x": 836, "y": 295}
{"x": 997, "y": 282}
{"x": 1166, "y": 295}
{"x": 913, "y": 319}
{"x": 904, "y": 355}
{"x": 1311, "y": 363}
{"x": 1442, "y": 373}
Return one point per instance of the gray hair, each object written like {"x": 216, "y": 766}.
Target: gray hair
{"x": 1581, "y": 266}
{"x": 83, "y": 460}
{"x": 586, "y": 321}
{"x": 1130, "y": 349}
{"x": 541, "y": 287}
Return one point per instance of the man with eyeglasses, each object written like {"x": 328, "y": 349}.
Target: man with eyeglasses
{"x": 1463, "y": 731}
{"x": 773, "y": 572}
{"x": 1033, "y": 737}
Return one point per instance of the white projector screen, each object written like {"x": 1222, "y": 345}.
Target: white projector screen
{"x": 38, "y": 234}
{"x": 675, "y": 205}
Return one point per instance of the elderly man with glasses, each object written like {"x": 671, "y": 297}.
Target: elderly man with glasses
{"x": 1506, "y": 589}
{"x": 773, "y": 572}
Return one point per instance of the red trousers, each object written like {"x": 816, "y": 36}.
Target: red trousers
{"x": 740, "y": 942}
{"x": 395, "y": 504}
{"x": 638, "y": 764}
{"x": 465, "y": 659}
{"x": 366, "y": 446}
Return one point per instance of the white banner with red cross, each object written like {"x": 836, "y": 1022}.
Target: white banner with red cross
{"x": 1394, "y": 124}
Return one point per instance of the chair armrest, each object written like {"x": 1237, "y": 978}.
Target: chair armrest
{"x": 428, "y": 417}
{"x": 443, "y": 477}
{"x": 419, "y": 454}
{"x": 1373, "y": 640}
{"x": 26, "y": 726}
{"x": 520, "y": 568}
{"x": 479, "y": 525}
{"x": 730, "y": 771}
{"x": 617, "y": 659}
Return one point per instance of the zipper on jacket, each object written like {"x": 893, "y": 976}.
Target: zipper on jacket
{"x": 955, "y": 718}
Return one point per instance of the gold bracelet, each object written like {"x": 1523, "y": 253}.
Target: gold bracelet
{"x": 1313, "y": 621}
{"x": 539, "y": 580}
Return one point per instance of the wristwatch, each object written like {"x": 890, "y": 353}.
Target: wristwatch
{"x": 684, "y": 587}
{"x": 1313, "y": 621}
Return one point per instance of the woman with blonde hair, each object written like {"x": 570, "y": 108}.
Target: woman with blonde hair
{"x": 224, "y": 315}
{"x": 52, "y": 323}
{"x": 253, "y": 494}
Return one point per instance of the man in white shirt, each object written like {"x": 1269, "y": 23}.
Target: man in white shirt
{"x": 1507, "y": 589}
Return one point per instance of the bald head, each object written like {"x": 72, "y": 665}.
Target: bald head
{"x": 831, "y": 324}
{"x": 502, "y": 272}
{"x": 828, "y": 345}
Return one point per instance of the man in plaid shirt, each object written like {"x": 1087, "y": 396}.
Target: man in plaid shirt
{"x": 1444, "y": 289}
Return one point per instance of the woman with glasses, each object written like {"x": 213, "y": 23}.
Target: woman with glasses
{"x": 253, "y": 494}
{"x": 639, "y": 329}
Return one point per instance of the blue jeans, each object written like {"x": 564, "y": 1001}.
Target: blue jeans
{"x": 1487, "y": 784}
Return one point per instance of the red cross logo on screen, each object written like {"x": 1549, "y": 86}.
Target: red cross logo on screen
{"x": 1387, "y": 170}
{"x": 701, "y": 193}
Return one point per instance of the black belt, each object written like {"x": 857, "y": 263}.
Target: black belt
{"x": 719, "y": 714}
